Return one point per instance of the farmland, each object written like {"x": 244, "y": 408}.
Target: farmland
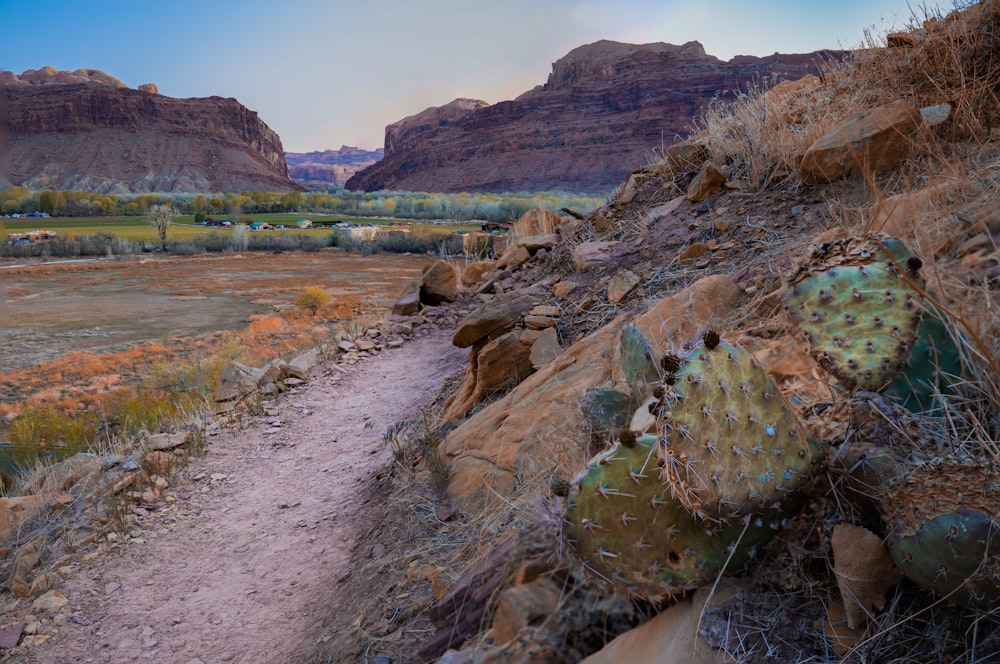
{"x": 184, "y": 227}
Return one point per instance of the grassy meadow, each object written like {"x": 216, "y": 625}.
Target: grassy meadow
{"x": 183, "y": 227}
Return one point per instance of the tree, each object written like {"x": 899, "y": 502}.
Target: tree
{"x": 51, "y": 201}
{"x": 161, "y": 216}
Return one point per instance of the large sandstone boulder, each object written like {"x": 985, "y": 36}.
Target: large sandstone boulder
{"x": 493, "y": 319}
{"x": 867, "y": 142}
{"x": 535, "y": 427}
{"x": 493, "y": 365}
{"x": 439, "y": 284}
{"x": 538, "y": 427}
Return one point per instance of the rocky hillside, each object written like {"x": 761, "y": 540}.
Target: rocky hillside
{"x": 329, "y": 168}
{"x": 87, "y": 131}
{"x": 746, "y": 412}
{"x": 606, "y": 107}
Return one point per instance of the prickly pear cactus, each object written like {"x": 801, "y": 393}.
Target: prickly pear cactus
{"x": 860, "y": 320}
{"x": 607, "y": 408}
{"x": 934, "y": 365}
{"x": 621, "y": 521}
{"x": 943, "y": 532}
{"x": 729, "y": 442}
{"x": 637, "y": 362}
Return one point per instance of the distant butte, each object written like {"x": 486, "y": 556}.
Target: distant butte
{"x": 604, "y": 110}
{"x": 88, "y": 131}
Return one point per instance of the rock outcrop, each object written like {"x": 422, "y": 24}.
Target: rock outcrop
{"x": 329, "y": 167}
{"x": 605, "y": 107}
{"x": 87, "y": 131}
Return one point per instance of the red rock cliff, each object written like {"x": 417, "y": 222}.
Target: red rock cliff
{"x": 603, "y": 111}
{"x": 87, "y": 131}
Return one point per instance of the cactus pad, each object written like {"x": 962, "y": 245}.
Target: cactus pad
{"x": 943, "y": 532}
{"x": 621, "y": 522}
{"x": 860, "y": 320}
{"x": 607, "y": 407}
{"x": 933, "y": 365}
{"x": 637, "y": 362}
{"x": 730, "y": 443}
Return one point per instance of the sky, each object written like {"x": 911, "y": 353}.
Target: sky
{"x": 328, "y": 73}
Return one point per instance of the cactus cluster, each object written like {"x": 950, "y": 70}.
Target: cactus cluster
{"x": 730, "y": 443}
{"x": 622, "y": 522}
{"x": 869, "y": 327}
{"x": 658, "y": 514}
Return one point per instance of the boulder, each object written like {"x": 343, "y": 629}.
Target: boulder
{"x": 621, "y": 286}
{"x": 493, "y": 319}
{"x": 533, "y": 428}
{"x": 671, "y": 636}
{"x": 523, "y": 605}
{"x": 708, "y": 182}
{"x": 516, "y": 256}
{"x": 78, "y": 473}
{"x": 545, "y": 348}
{"x": 535, "y": 242}
{"x": 168, "y": 441}
{"x": 867, "y": 142}
{"x": 473, "y": 273}
{"x": 495, "y": 366}
{"x": 235, "y": 382}
{"x": 409, "y": 302}
{"x": 439, "y": 284}
{"x": 591, "y": 254}
{"x": 563, "y": 288}
{"x": 680, "y": 158}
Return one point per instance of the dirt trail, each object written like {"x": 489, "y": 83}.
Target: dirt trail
{"x": 243, "y": 565}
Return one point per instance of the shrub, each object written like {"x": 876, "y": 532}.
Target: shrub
{"x": 313, "y": 299}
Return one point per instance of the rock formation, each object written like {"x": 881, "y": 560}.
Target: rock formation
{"x": 606, "y": 107}
{"x": 329, "y": 167}
{"x": 87, "y": 131}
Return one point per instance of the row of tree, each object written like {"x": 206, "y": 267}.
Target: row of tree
{"x": 401, "y": 204}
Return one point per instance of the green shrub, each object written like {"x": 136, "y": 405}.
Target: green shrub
{"x": 313, "y": 299}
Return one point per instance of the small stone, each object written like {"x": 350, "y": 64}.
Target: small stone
{"x": 53, "y": 600}
{"x": 10, "y": 634}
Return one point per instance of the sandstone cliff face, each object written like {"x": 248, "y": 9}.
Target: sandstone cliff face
{"x": 604, "y": 110}
{"x": 329, "y": 167}
{"x": 87, "y": 131}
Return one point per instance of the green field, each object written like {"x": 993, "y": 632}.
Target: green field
{"x": 184, "y": 228}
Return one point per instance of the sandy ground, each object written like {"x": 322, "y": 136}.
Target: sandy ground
{"x": 244, "y": 565}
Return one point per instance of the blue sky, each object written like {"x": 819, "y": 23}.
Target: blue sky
{"x": 329, "y": 73}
